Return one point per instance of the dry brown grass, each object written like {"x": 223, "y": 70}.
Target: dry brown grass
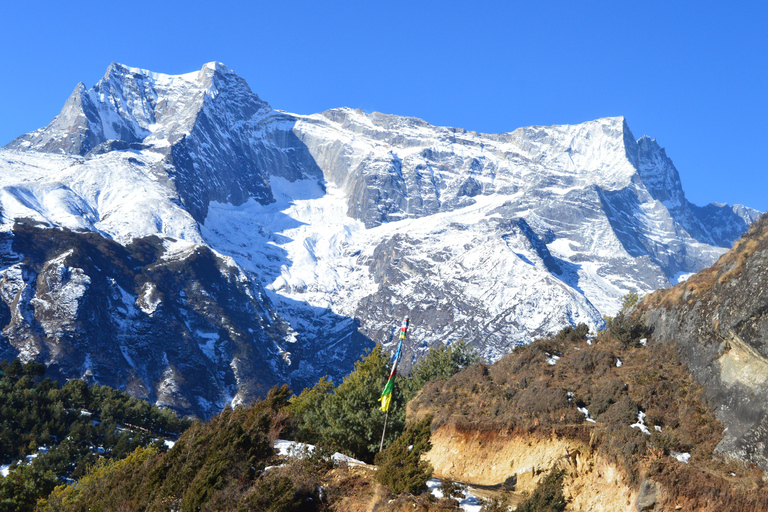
{"x": 700, "y": 489}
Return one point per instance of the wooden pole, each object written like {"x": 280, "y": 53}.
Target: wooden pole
{"x": 386, "y": 417}
{"x": 403, "y": 330}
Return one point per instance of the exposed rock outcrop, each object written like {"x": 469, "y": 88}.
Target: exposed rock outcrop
{"x": 719, "y": 320}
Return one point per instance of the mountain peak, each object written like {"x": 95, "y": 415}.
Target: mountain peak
{"x": 617, "y": 120}
{"x": 217, "y": 66}
{"x": 131, "y": 105}
{"x": 120, "y": 71}
{"x": 496, "y": 238}
{"x": 122, "y": 75}
{"x": 647, "y": 143}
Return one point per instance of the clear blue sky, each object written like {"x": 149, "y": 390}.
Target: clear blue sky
{"x": 694, "y": 75}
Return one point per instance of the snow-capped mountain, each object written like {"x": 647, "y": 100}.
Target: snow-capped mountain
{"x": 334, "y": 225}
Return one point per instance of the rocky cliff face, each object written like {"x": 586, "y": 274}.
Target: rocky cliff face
{"x": 178, "y": 326}
{"x": 718, "y": 320}
{"x": 485, "y": 459}
{"x": 347, "y": 221}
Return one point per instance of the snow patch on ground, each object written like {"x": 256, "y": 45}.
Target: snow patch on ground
{"x": 209, "y": 345}
{"x": 148, "y": 300}
{"x": 6, "y": 469}
{"x": 585, "y": 412}
{"x": 681, "y": 277}
{"x": 176, "y": 249}
{"x": 641, "y": 423}
{"x": 469, "y": 503}
{"x": 682, "y": 457}
{"x": 297, "y": 450}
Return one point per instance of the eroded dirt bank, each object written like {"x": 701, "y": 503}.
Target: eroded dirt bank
{"x": 491, "y": 458}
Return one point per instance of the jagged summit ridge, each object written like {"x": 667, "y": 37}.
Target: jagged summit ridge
{"x": 348, "y": 219}
{"x": 413, "y": 169}
{"x": 135, "y": 105}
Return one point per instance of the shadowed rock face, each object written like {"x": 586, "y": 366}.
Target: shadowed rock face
{"x": 184, "y": 332}
{"x": 183, "y": 329}
{"x": 719, "y": 321}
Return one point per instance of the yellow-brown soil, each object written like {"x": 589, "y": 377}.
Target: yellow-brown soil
{"x": 591, "y": 483}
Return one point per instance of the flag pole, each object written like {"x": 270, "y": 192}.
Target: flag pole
{"x": 386, "y": 395}
{"x": 386, "y": 417}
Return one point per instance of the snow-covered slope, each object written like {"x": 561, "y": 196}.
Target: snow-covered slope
{"x": 347, "y": 220}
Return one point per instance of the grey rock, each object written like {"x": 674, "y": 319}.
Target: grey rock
{"x": 647, "y": 496}
{"x": 189, "y": 333}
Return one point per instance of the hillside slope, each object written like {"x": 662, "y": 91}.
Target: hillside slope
{"x": 625, "y": 420}
{"x": 719, "y": 321}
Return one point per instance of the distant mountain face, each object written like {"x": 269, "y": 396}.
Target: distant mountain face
{"x": 337, "y": 224}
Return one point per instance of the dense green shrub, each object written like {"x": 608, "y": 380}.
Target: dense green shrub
{"x": 104, "y": 487}
{"x": 570, "y": 333}
{"x": 348, "y": 418}
{"x": 498, "y": 504}
{"x": 626, "y": 330}
{"x": 73, "y": 426}
{"x": 210, "y": 464}
{"x": 628, "y": 301}
{"x": 451, "y": 489}
{"x": 440, "y": 363}
{"x": 287, "y": 489}
{"x": 400, "y": 465}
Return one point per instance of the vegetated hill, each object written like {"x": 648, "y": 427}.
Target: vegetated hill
{"x": 50, "y": 435}
{"x": 718, "y": 319}
{"x": 625, "y": 420}
{"x": 228, "y": 464}
{"x": 215, "y": 459}
{"x": 618, "y": 417}
{"x": 337, "y": 222}
{"x": 222, "y": 464}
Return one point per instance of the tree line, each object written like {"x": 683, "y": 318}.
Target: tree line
{"x": 51, "y": 434}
